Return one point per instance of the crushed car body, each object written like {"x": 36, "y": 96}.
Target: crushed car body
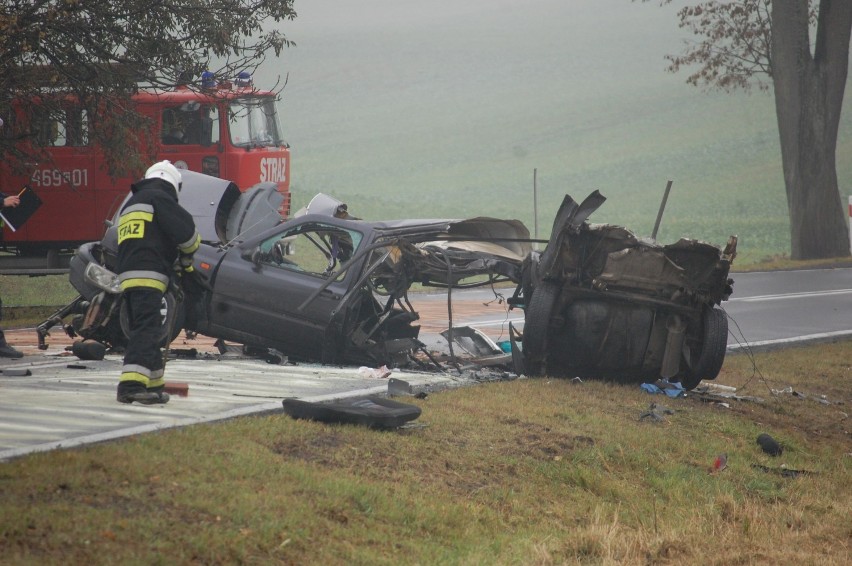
{"x": 603, "y": 303}
{"x": 324, "y": 286}
{"x": 335, "y": 290}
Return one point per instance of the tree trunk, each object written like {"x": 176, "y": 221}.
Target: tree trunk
{"x": 808, "y": 98}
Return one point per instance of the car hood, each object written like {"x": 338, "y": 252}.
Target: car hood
{"x": 222, "y": 213}
{"x": 508, "y": 239}
{"x": 493, "y": 236}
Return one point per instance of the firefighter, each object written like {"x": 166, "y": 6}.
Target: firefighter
{"x": 7, "y": 351}
{"x": 154, "y": 232}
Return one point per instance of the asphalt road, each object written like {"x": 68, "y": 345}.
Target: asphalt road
{"x": 776, "y": 308}
{"x": 767, "y": 309}
{"x": 60, "y": 401}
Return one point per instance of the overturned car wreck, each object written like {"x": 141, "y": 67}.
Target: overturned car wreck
{"x": 600, "y": 302}
{"x": 326, "y": 287}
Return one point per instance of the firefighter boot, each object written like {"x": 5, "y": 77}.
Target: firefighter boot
{"x": 130, "y": 391}
{"x": 7, "y": 351}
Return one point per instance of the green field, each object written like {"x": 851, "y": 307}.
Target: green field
{"x": 446, "y": 108}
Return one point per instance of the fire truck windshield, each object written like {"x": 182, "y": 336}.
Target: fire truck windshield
{"x": 254, "y": 123}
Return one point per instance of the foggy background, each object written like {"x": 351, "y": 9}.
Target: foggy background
{"x": 444, "y": 109}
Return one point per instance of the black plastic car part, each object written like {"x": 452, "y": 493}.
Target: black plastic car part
{"x": 374, "y": 412}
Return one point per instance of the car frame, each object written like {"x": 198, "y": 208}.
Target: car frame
{"x": 348, "y": 301}
{"x": 327, "y": 287}
{"x": 601, "y": 302}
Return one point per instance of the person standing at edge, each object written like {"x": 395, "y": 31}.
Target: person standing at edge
{"x": 153, "y": 232}
{"x": 7, "y": 351}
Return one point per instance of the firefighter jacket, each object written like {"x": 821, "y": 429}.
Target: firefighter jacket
{"x": 153, "y": 229}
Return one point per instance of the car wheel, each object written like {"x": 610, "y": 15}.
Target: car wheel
{"x": 99, "y": 321}
{"x": 714, "y": 345}
{"x": 536, "y": 326}
{"x": 172, "y": 315}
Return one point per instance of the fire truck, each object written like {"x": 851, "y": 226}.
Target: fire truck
{"x": 226, "y": 129}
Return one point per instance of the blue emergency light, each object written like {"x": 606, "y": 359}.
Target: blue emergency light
{"x": 243, "y": 79}
{"x": 208, "y": 79}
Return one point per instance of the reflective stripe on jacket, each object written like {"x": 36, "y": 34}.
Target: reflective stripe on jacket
{"x": 152, "y": 230}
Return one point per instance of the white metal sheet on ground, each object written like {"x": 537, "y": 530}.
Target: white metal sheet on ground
{"x": 60, "y": 406}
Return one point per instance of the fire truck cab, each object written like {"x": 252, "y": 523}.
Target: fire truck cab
{"x": 227, "y": 130}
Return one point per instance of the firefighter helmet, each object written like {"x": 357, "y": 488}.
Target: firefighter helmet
{"x": 166, "y": 171}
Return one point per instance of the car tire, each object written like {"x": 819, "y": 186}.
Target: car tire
{"x": 173, "y": 319}
{"x": 99, "y": 321}
{"x": 714, "y": 345}
{"x": 537, "y": 326}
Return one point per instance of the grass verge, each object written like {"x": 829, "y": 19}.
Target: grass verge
{"x": 534, "y": 471}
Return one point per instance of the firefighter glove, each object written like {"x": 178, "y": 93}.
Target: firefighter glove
{"x": 186, "y": 263}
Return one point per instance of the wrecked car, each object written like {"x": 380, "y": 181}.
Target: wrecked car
{"x": 329, "y": 288}
{"x": 220, "y": 211}
{"x": 322, "y": 286}
{"x": 600, "y": 302}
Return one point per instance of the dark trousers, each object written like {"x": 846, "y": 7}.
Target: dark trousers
{"x": 143, "y": 359}
{"x": 2, "y": 336}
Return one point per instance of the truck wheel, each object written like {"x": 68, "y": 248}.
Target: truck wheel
{"x": 714, "y": 345}
{"x": 172, "y": 318}
{"x": 536, "y": 326}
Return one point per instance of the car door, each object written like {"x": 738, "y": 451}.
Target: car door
{"x": 263, "y": 291}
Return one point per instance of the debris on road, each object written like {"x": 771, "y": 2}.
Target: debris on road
{"x": 769, "y": 445}
{"x": 373, "y": 412}
{"x": 16, "y": 372}
{"x": 720, "y": 462}
{"x": 783, "y": 471}
{"x": 374, "y": 373}
{"x": 663, "y": 386}
{"x": 179, "y": 388}
{"x": 818, "y": 398}
{"x": 397, "y": 387}
{"x": 656, "y": 413}
{"x": 88, "y": 350}
{"x": 717, "y": 393}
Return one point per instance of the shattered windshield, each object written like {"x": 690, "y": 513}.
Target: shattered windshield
{"x": 254, "y": 123}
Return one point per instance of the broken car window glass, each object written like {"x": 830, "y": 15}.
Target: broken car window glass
{"x": 316, "y": 249}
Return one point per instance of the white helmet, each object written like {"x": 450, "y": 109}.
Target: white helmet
{"x": 166, "y": 171}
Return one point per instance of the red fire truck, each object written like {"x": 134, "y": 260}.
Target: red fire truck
{"x": 227, "y": 130}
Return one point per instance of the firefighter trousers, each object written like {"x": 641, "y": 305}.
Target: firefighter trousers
{"x": 143, "y": 359}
